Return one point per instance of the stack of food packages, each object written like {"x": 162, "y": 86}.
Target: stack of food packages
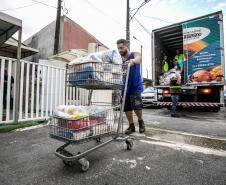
{"x": 80, "y": 122}
{"x": 165, "y": 78}
{"x": 105, "y": 66}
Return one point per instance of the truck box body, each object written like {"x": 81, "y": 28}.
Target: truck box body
{"x": 200, "y": 40}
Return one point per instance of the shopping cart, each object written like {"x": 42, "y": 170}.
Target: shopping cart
{"x": 107, "y": 123}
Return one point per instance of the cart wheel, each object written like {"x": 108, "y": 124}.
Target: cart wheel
{"x": 67, "y": 163}
{"x": 98, "y": 140}
{"x": 129, "y": 144}
{"x": 84, "y": 164}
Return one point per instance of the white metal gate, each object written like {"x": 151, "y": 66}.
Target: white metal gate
{"x": 42, "y": 88}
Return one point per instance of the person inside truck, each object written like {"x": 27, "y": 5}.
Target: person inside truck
{"x": 171, "y": 64}
{"x": 179, "y": 58}
{"x": 133, "y": 100}
{"x": 165, "y": 65}
{"x": 175, "y": 90}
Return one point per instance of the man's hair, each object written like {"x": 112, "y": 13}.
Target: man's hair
{"x": 122, "y": 41}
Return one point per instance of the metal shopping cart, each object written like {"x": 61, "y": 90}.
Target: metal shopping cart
{"x": 107, "y": 123}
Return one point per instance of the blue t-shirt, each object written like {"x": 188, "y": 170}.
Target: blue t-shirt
{"x": 134, "y": 83}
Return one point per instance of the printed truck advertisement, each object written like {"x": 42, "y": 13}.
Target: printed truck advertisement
{"x": 201, "y": 44}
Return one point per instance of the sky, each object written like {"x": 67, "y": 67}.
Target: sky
{"x": 106, "y": 19}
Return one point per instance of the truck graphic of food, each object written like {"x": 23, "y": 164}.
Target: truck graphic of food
{"x": 201, "y": 45}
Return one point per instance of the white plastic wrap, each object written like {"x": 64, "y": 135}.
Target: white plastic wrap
{"x": 108, "y": 56}
{"x": 165, "y": 78}
{"x": 67, "y": 111}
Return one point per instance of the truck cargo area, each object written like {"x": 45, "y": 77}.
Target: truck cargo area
{"x": 166, "y": 42}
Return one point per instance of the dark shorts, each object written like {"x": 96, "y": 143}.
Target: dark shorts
{"x": 133, "y": 102}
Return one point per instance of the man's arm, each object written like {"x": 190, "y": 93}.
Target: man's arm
{"x": 137, "y": 59}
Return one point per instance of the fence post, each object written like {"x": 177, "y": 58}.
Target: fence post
{"x": 17, "y": 84}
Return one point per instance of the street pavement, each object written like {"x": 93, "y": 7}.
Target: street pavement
{"x": 27, "y": 157}
{"x": 205, "y": 123}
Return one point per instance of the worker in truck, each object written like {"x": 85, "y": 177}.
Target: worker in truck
{"x": 179, "y": 58}
{"x": 165, "y": 67}
{"x": 171, "y": 64}
{"x": 133, "y": 100}
{"x": 175, "y": 90}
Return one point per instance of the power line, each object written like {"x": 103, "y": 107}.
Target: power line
{"x": 102, "y": 12}
{"x": 25, "y": 6}
{"x": 40, "y": 2}
{"x": 116, "y": 21}
{"x": 142, "y": 26}
{"x": 65, "y": 10}
{"x": 146, "y": 16}
{"x": 142, "y": 4}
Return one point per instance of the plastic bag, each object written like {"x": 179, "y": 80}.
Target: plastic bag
{"x": 60, "y": 114}
{"x": 108, "y": 56}
{"x": 87, "y": 59}
{"x": 95, "y": 109}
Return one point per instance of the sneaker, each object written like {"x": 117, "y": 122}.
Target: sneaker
{"x": 141, "y": 126}
{"x": 130, "y": 130}
{"x": 173, "y": 115}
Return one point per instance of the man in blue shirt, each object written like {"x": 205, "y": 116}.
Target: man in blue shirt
{"x": 134, "y": 89}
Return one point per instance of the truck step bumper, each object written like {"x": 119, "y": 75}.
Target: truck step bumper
{"x": 189, "y": 104}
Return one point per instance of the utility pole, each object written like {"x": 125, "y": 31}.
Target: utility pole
{"x": 128, "y": 23}
{"x": 57, "y": 29}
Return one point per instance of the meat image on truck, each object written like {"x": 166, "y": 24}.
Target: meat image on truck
{"x": 194, "y": 50}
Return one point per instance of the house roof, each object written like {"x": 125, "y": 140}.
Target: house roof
{"x": 9, "y": 49}
{"x": 68, "y": 56}
{"x": 8, "y": 26}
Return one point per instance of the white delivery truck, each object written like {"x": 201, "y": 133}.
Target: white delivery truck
{"x": 199, "y": 45}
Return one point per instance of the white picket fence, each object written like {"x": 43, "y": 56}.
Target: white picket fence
{"x": 42, "y": 88}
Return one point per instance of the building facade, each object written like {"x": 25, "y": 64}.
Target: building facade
{"x": 72, "y": 36}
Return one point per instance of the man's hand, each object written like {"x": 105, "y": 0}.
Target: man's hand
{"x": 131, "y": 62}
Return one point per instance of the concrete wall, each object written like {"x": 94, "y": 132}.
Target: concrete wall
{"x": 72, "y": 36}
{"x": 43, "y": 41}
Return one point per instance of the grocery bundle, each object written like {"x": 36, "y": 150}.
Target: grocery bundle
{"x": 79, "y": 122}
{"x": 99, "y": 68}
{"x": 164, "y": 79}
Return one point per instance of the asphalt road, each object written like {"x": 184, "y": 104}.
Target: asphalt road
{"x": 205, "y": 123}
{"x": 26, "y": 157}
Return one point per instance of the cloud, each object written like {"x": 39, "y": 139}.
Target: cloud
{"x": 220, "y": 6}
{"x": 173, "y": 1}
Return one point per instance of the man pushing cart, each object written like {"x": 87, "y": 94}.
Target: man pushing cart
{"x": 88, "y": 122}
